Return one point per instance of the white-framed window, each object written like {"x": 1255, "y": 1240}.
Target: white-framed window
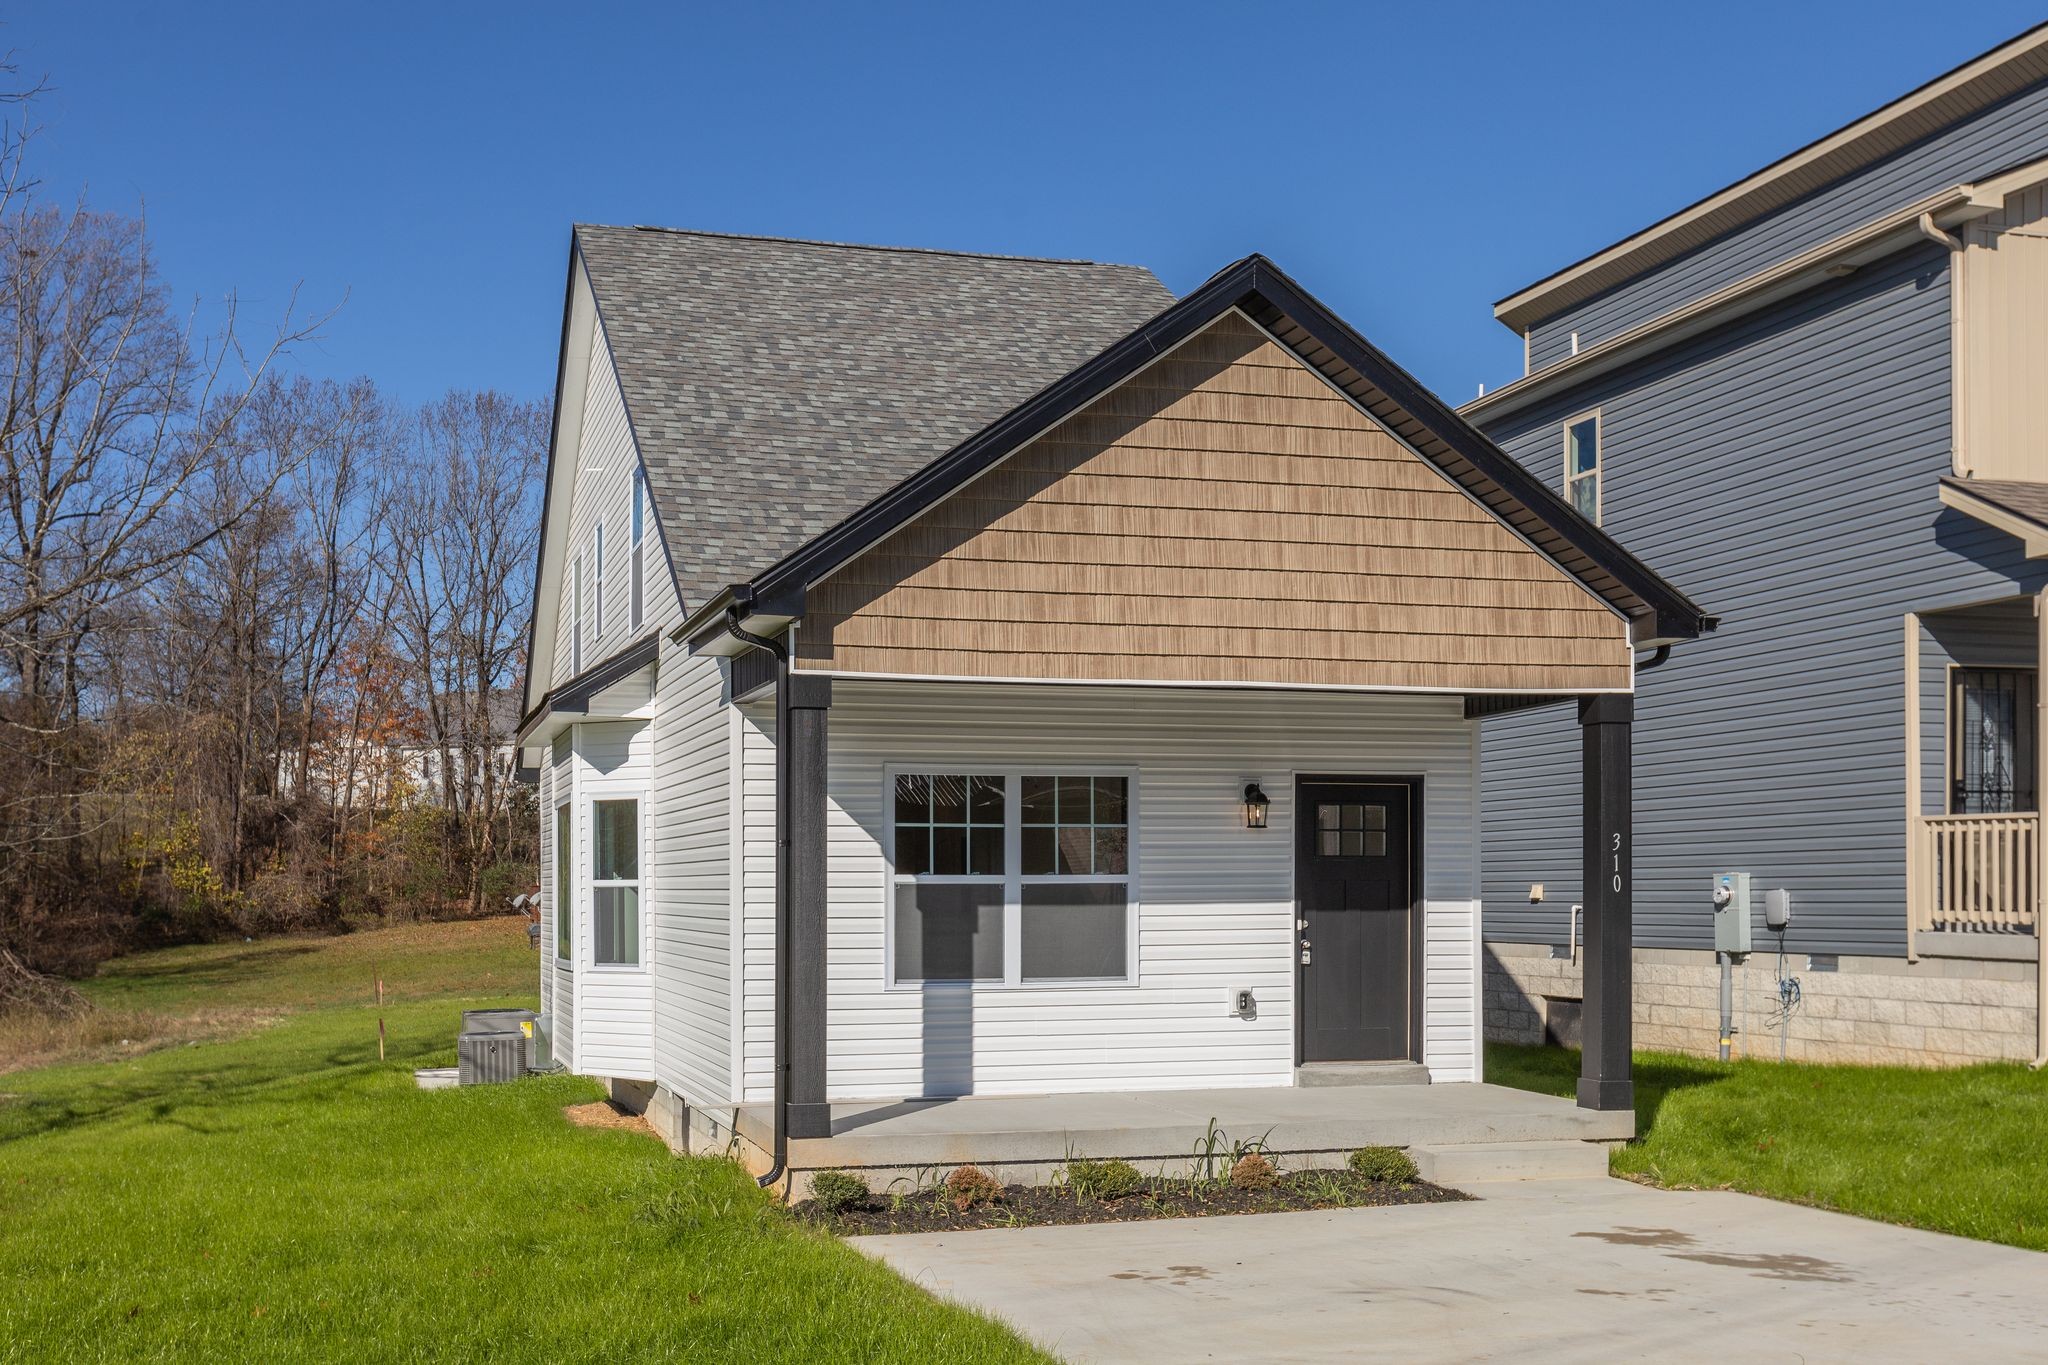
{"x": 597, "y": 607}
{"x": 615, "y": 881}
{"x": 576, "y": 616}
{"x": 565, "y": 882}
{"x": 1015, "y": 877}
{"x": 1582, "y": 465}
{"x": 635, "y": 554}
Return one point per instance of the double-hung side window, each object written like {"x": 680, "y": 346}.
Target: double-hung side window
{"x": 1582, "y": 465}
{"x": 1014, "y": 878}
{"x": 615, "y": 882}
{"x": 634, "y": 551}
{"x": 598, "y": 605}
{"x": 565, "y": 860}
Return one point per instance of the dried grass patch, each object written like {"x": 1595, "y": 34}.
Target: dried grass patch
{"x": 30, "y": 1039}
{"x": 605, "y": 1114}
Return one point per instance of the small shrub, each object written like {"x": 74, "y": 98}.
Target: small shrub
{"x": 1103, "y": 1180}
{"x": 1383, "y": 1163}
{"x": 971, "y": 1187}
{"x": 1253, "y": 1172}
{"x": 838, "y": 1191}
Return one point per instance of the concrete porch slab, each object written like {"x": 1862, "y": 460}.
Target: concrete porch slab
{"x": 1024, "y": 1138}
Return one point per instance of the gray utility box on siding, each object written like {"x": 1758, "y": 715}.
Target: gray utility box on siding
{"x": 495, "y": 1045}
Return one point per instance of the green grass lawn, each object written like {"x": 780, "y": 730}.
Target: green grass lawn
{"x": 1963, "y": 1151}
{"x": 282, "y": 1195}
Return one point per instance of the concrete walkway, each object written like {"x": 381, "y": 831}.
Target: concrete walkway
{"x": 1571, "y": 1270}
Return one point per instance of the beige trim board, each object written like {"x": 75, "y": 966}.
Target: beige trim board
{"x": 2032, "y": 533}
{"x": 1975, "y": 85}
{"x": 1838, "y": 256}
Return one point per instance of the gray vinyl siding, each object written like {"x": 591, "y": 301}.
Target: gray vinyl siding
{"x": 1996, "y": 139}
{"x": 1783, "y": 472}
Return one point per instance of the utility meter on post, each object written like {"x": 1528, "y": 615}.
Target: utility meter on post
{"x": 1731, "y": 914}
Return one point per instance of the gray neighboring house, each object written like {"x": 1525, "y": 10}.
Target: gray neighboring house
{"x": 1820, "y": 397}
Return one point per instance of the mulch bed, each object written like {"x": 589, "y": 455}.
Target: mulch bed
{"x": 1022, "y": 1206}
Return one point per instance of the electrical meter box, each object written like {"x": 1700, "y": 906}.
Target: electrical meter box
{"x": 1731, "y": 912}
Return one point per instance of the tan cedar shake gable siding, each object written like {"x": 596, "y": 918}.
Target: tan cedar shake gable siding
{"x": 1223, "y": 517}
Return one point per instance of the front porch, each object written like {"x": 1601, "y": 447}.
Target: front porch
{"x": 1974, "y": 754}
{"x": 1451, "y": 1130}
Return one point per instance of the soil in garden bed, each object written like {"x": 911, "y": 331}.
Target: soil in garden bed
{"x": 932, "y": 1209}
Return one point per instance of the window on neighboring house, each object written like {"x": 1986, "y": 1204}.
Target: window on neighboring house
{"x": 576, "y": 616}
{"x": 638, "y": 558}
{"x": 565, "y": 860}
{"x": 1582, "y": 465}
{"x": 1991, "y": 749}
{"x": 615, "y": 882}
{"x": 597, "y": 607}
{"x": 1011, "y": 877}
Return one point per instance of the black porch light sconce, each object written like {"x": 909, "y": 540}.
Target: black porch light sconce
{"x": 1255, "y": 804}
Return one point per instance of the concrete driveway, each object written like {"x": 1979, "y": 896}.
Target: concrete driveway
{"x": 1571, "y": 1270}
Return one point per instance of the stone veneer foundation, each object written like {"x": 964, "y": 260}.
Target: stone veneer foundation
{"x": 1939, "y": 1011}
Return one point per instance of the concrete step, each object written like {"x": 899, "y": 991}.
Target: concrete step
{"x": 1361, "y": 1073}
{"x": 1458, "y": 1164}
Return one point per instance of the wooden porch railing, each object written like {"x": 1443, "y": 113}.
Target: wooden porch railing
{"x": 1978, "y": 873}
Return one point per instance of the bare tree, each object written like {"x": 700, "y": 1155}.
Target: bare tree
{"x": 464, "y": 538}
{"x": 112, "y": 412}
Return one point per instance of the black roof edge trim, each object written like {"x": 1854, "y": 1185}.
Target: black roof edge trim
{"x": 1671, "y": 607}
{"x": 574, "y": 694}
{"x": 1257, "y": 282}
{"x": 540, "y": 549}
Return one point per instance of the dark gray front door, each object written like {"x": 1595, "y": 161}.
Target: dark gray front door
{"x": 1353, "y": 897}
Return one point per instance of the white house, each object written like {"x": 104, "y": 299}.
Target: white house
{"x": 1126, "y": 656}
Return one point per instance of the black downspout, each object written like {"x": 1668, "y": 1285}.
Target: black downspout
{"x": 779, "y": 1117}
{"x": 1645, "y": 665}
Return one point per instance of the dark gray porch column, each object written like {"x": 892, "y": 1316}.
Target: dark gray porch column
{"x": 801, "y": 970}
{"x": 1607, "y": 858}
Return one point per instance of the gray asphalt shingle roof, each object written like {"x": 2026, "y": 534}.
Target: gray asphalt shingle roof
{"x": 775, "y": 387}
{"x": 2028, "y": 500}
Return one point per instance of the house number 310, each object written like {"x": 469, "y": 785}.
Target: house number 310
{"x": 1617, "y": 862}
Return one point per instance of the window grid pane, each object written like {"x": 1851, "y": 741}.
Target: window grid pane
{"x": 949, "y": 825}
{"x": 1348, "y": 830}
{"x": 1075, "y": 826}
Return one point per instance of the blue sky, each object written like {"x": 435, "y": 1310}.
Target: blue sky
{"x": 421, "y": 164}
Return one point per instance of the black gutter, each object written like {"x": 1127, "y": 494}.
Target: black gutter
{"x": 779, "y": 1114}
{"x": 574, "y": 694}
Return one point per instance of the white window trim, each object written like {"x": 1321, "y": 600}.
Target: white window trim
{"x": 635, "y": 576}
{"x": 1013, "y": 877}
{"x": 1598, "y": 474}
{"x": 587, "y": 869}
{"x": 597, "y": 606}
{"x": 567, "y": 803}
{"x": 576, "y": 616}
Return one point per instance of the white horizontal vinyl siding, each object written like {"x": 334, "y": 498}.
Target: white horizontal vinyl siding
{"x": 603, "y": 486}
{"x": 1216, "y": 901}
{"x": 614, "y": 1006}
{"x": 692, "y": 913}
{"x": 1450, "y": 976}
